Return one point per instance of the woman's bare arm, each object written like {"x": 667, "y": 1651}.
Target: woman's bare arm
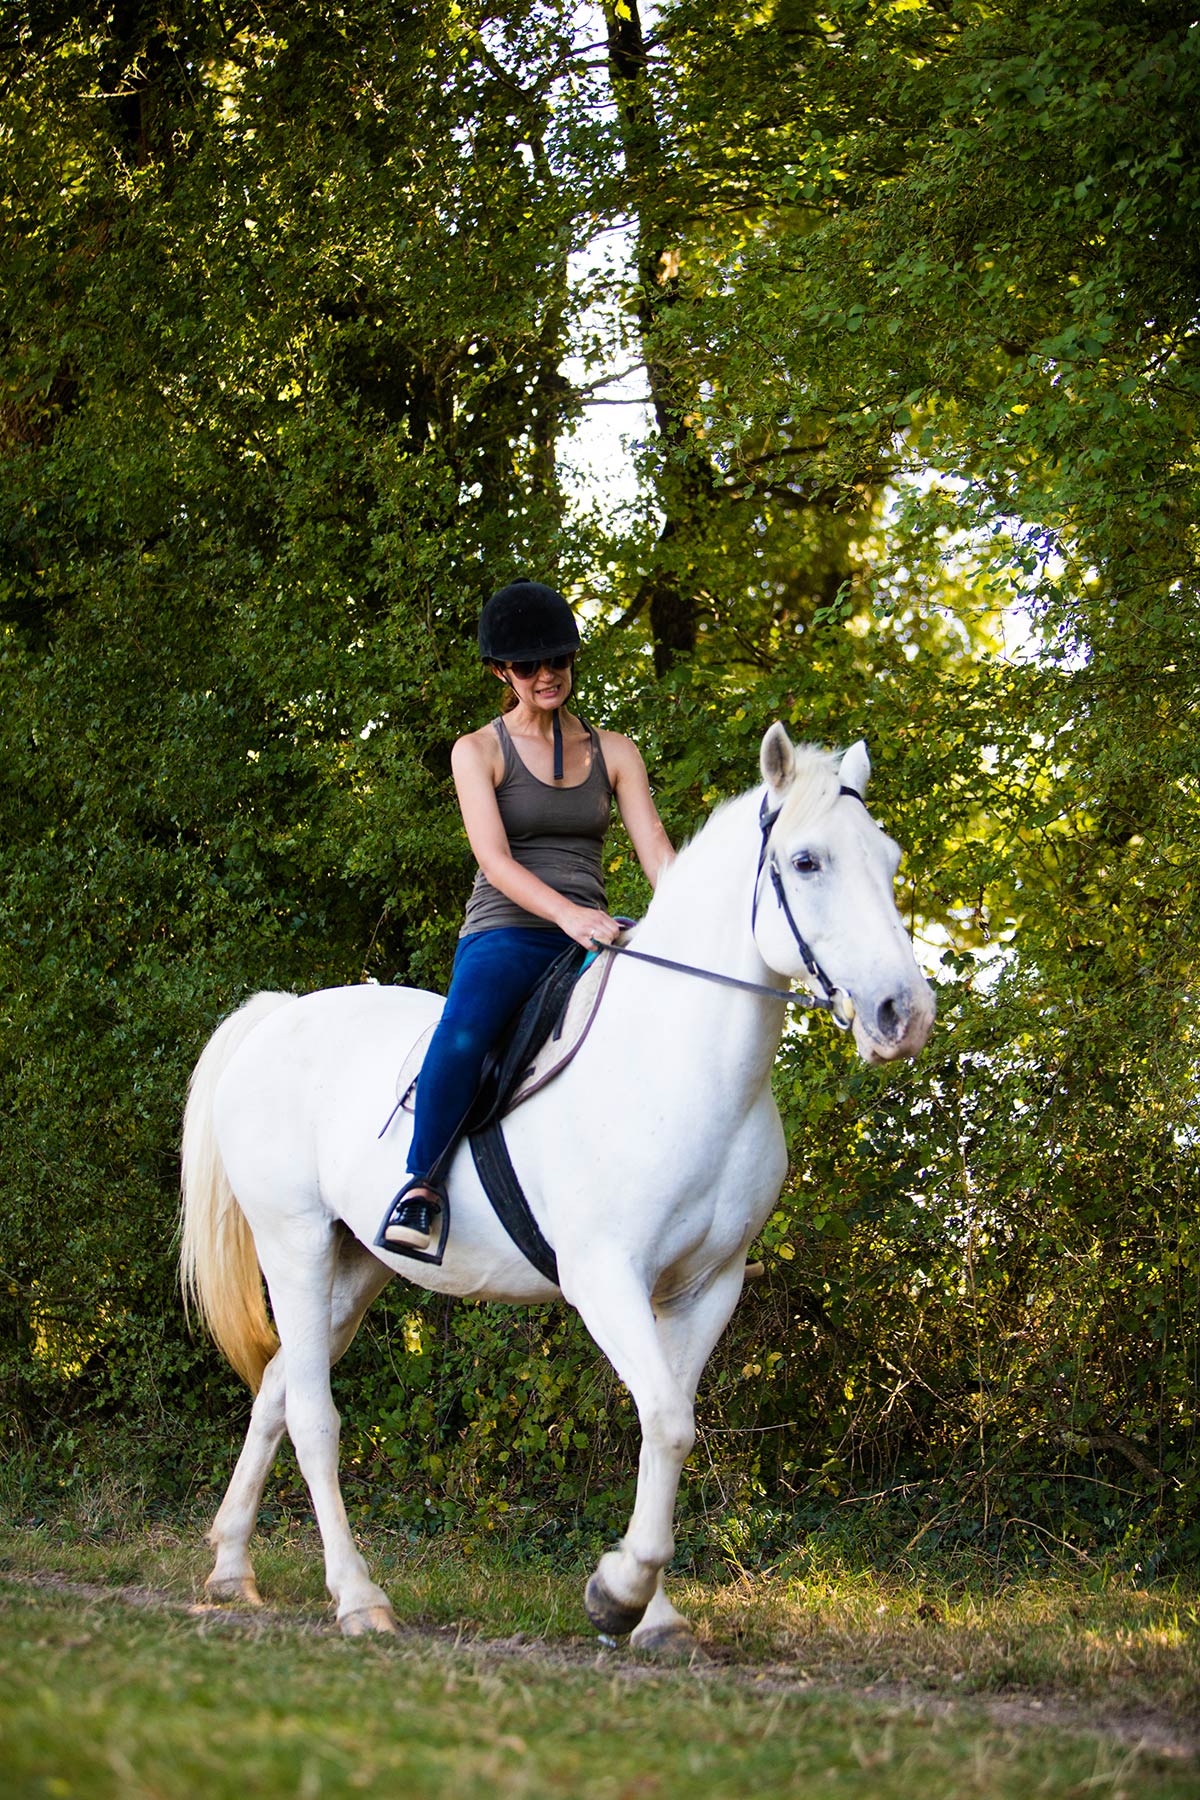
{"x": 639, "y": 815}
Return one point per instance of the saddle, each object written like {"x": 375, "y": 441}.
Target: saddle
{"x": 544, "y": 1037}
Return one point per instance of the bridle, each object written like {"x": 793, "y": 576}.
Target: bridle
{"x": 767, "y": 819}
{"x": 839, "y": 1005}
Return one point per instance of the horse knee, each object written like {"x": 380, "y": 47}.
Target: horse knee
{"x": 671, "y": 1430}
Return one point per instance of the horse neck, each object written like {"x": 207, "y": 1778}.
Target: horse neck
{"x": 703, "y": 904}
{"x": 701, "y": 914}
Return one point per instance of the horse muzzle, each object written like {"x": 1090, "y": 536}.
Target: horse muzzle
{"x": 894, "y": 1025}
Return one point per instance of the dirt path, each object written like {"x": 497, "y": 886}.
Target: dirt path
{"x": 1133, "y": 1728}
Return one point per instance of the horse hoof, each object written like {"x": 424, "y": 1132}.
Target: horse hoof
{"x": 236, "y": 1590}
{"x": 609, "y": 1616}
{"x": 668, "y": 1643}
{"x": 368, "y": 1619}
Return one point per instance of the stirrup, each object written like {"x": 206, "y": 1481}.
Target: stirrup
{"x": 409, "y": 1221}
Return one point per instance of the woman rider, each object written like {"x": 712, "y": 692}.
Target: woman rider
{"x": 535, "y": 788}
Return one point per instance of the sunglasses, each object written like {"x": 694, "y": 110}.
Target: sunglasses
{"x": 526, "y": 669}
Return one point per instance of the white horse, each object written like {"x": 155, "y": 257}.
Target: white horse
{"x": 649, "y": 1163}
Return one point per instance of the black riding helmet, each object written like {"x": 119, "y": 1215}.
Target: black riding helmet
{"x": 524, "y": 622}
{"x": 529, "y": 622}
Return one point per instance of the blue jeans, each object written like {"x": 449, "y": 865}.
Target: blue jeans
{"x": 494, "y": 971}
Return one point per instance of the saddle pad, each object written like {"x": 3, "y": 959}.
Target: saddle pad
{"x": 410, "y": 1068}
{"x": 561, "y": 1046}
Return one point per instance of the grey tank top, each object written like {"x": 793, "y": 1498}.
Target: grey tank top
{"x": 555, "y": 833}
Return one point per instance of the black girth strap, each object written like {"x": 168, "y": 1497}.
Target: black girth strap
{"x": 499, "y": 1178}
{"x": 540, "y": 1017}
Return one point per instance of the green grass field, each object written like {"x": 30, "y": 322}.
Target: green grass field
{"x": 818, "y": 1681}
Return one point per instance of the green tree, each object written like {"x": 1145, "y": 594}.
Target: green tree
{"x": 962, "y": 240}
{"x": 272, "y": 420}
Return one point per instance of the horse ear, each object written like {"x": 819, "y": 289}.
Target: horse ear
{"x": 854, "y": 770}
{"x": 777, "y": 759}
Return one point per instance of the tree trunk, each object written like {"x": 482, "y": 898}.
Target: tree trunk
{"x": 685, "y": 482}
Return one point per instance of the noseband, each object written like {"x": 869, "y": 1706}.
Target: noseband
{"x": 767, "y": 820}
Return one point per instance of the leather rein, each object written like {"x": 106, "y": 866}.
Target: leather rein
{"x": 840, "y": 1007}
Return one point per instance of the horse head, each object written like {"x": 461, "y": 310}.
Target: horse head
{"x": 824, "y": 907}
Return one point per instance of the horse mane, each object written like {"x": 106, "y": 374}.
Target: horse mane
{"x": 815, "y": 786}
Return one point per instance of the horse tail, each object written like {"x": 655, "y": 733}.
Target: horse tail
{"x": 218, "y": 1267}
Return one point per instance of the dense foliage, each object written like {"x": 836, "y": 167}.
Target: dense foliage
{"x": 301, "y": 308}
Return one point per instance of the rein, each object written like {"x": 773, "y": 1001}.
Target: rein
{"x": 839, "y": 1007}
{"x": 822, "y": 1002}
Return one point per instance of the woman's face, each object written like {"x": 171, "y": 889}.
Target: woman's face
{"x": 545, "y": 690}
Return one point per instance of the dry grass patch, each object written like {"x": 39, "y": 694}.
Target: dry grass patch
{"x": 1050, "y": 1632}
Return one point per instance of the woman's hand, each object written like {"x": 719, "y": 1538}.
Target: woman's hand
{"x": 587, "y": 925}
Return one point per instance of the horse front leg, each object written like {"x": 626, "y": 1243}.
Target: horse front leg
{"x": 688, "y": 1330}
{"x": 612, "y": 1301}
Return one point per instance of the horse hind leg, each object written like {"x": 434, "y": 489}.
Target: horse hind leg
{"x": 662, "y": 1631}
{"x": 298, "y": 1262}
{"x": 358, "y": 1279}
{"x": 232, "y": 1578}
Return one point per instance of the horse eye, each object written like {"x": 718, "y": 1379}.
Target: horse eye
{"x": 805, "y": 863}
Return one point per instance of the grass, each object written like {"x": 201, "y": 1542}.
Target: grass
{"x": 823, "y": 1679}
{"x": 1069, "y": 1634}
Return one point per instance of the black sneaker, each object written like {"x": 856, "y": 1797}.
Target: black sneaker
{"x": 412, "y": 1222}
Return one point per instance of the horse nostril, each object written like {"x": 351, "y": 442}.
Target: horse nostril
{"x": 891, "y": 1020}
